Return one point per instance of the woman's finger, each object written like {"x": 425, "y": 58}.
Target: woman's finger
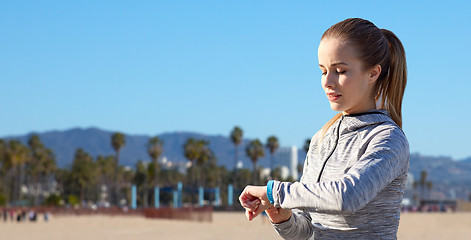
{"x": 249, "y": 214}
{"x": 251, "y": 204}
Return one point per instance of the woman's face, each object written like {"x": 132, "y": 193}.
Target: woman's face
{"x": 349, "y": 88}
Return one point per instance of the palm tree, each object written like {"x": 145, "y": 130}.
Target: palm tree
{"x": 300, "y": 166}
{"x": 141, "y": 178}
{"x": 106, "y": 171}
{"x": 205, "y": 156}
{"x": 36, "y": 147}
{"x": 118, "y": 140}
{"x": 154, "y": 148}
{"x": 307, "y": 143}
{"x": 82, "y": 171}
{"x": 199, "y": 154}
{"x": 255, "y": 151}
{"x": 272, "y": 145}
{"x": 125, "y": 176}
{"x": 48, "y": 166}
{"x": 2, "y": 164}
{"x": 423, "y": 184}
{"x": 3, "y": 169}
{"x": 17, "y": 155}
{"x": 191, "y": 150}
{"x": 42, "y": 164}
{"x": 236, "y": 137}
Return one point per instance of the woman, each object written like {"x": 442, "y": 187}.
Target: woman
{"x": 356, "y": 167}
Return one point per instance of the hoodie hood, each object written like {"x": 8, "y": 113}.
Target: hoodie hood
{"x": 355, "y": 122}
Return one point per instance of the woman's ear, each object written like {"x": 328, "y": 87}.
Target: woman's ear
{"x": 374, "y": 73}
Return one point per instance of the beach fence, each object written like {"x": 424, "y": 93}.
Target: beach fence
{"x": 213, "y": 195}
{"x": 202, "y": 211}
{"x": 200, "y": 214}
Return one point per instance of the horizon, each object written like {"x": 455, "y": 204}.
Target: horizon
{"x": 150, "y": 67}
{"x": 199, "y": 133}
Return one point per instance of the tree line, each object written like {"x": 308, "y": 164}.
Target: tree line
{"x": 30, "y": 177}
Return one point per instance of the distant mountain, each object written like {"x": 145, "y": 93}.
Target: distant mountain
{"x": 450, "y": 179}
{"x": 441, "y": 169}
{"x": 98, "y": 142}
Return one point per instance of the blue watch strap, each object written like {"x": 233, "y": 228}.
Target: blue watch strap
{"x": 270, "y": 191}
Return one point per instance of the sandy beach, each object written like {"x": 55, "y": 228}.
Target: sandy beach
{"x": 224, "y": 226}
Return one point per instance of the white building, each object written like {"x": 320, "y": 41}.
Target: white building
{"x": 287, "y": 158}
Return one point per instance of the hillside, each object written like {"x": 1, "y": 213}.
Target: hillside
{"x": 450, "y": 178}
{"x": 97, "y": 142}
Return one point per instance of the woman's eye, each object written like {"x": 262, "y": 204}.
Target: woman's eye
{"x": 324, "y": 73}
{"x": 341, "y": 72}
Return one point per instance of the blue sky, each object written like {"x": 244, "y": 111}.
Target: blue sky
{"x": 149, "y": 67}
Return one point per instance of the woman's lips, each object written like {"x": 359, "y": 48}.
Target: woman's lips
{"x": 333, "y": 96}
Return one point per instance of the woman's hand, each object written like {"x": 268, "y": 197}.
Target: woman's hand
{"x": 254, "y": 199}
{"x": 278, "y": 215}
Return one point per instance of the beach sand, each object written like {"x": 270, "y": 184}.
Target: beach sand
{"x": 225, "y": 225}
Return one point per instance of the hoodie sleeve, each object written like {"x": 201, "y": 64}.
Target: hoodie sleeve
{"x": 297, "y": 227}
{"x": 385, "y": 158}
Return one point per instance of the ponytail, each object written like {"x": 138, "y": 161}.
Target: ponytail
{"x": 391, "y": 91}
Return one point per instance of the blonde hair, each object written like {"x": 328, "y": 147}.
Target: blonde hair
{"x": 375, "y": 46}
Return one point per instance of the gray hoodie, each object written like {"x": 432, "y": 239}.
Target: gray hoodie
{"x": 352, "y": 184}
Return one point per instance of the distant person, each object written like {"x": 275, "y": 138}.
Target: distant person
{"x": 19, "y": 215}
{"x": 23, "y": 215}
{"x": 46, "y": 216}
{"x": 5, "y": 215}
{"x": 356, "y": 167}
{"x": 12, "y": 215}
{"x": 32, "y": 215}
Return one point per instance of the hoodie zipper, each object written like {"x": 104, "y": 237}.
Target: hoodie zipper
{"x": 333, "y": 149}
{"x": 338, "y": 136}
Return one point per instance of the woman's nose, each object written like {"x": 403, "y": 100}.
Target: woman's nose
{"x": 328, "y": 80}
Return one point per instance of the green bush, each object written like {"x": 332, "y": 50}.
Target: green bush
{"x": 73, "y": 200}
{"x": 53, "y": 200}
{"x": 3, "y": 200}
